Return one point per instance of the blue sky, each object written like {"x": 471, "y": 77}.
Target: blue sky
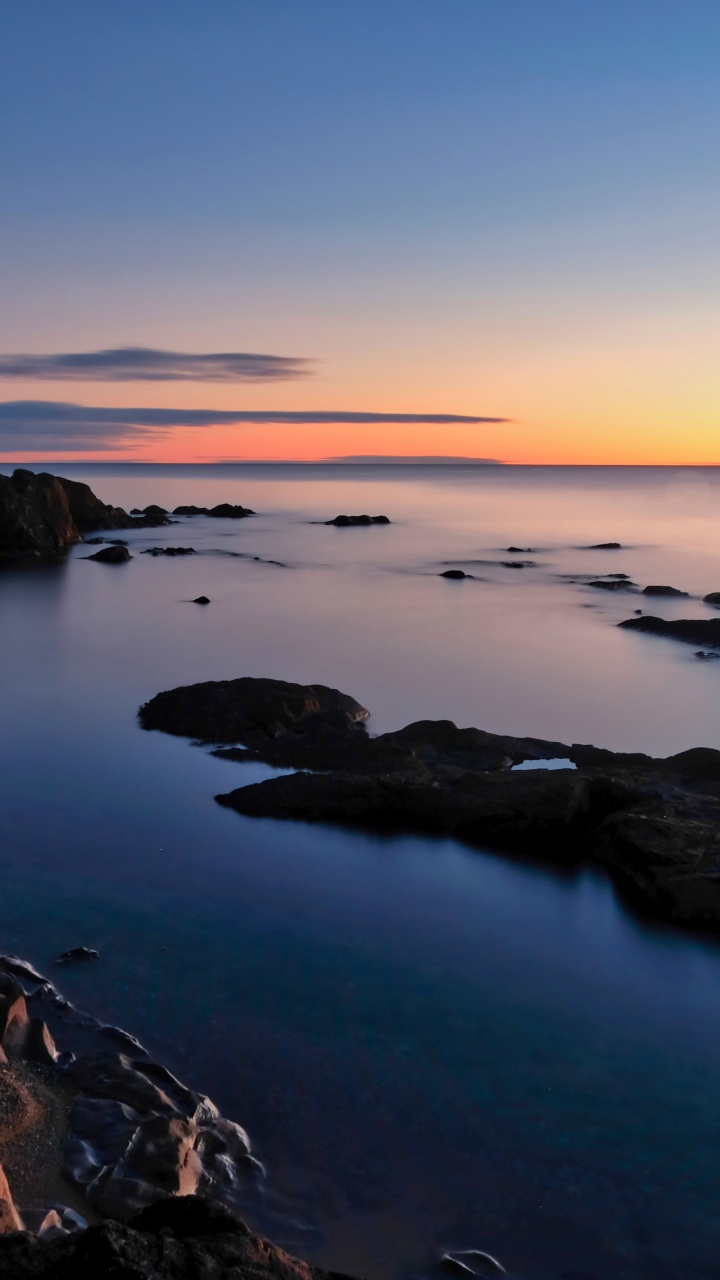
{"x": 429, "y": 197}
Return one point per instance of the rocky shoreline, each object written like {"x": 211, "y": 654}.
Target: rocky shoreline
{"x": 160, "y": 1173}
{"x": 653, "y": 824}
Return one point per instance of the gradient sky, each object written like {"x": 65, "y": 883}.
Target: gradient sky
{"x": 455, "y": 207}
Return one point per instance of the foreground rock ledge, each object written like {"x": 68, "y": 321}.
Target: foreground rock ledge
{"x": 175, "y": 1239}
{"x": 654, "y": 824}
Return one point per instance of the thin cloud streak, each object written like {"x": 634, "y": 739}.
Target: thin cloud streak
{"x": 149, "y": 364}
{"x": 40, "y": 424}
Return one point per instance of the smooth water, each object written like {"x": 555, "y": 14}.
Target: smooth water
{"x": 431, "y": 1047}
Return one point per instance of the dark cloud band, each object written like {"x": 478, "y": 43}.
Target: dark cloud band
{"x": 41, "y": 424}
{"x": 147, "y": 364}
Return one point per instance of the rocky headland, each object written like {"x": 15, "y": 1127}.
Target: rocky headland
{"x": 43, "y": 515}
{"x": 653, "y": 824}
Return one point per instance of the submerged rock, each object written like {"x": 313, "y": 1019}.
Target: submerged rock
{"x": 345, "y": 522}
{"x": 111, "y": 555}
{"x": 169, "y": 551}
{"x": 77, "y": 953}
{"x": 613, "y": 583}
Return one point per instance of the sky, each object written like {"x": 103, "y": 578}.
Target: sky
{"x": 319, "y": 228}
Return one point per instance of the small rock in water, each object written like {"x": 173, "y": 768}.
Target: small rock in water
{"x": 713, "y": 598}
{"x": 111, "y": 555}
{"x": 201, "y": 600}
{"x": 705, "y": 656}
{"x": 169, "y": 551}
{"x": 78, "y": 953}
{"x": 346, "y": 522}
{"x": 455, "y": 573}
{"x": 663, "y": 591}
{"x": 613, "y": 584}
{"x": 516, "y": 564}
{"x": 603, "y": 546}
{"x": 516, "y": 551}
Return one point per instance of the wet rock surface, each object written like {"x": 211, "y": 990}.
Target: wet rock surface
{"x": 654, "y": 824}
{"x": 43, "y": 514}
{"x": 177, "y": 1239}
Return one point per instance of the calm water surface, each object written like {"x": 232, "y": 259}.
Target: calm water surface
{"x": 431, "y": 1047}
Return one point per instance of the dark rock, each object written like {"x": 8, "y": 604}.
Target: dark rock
{"x": 624, "y": 576}
{"x": 702, "y": 631}
{"x": 169, "y": 551}
{"x": 613, "y": 584}
{"x": 712, "y": 598}
{"x": 248, "y": 710}
{"x": 516, "y": 564}
{"x": 226, "y": 511}
{"x": 516, "y": 551}
{"x": 347, "y": 522}
{"x": 707, "y": 657}
{"x": 182, "y": 1238}
{"x": 78, "y": 953}
{"x": 111, "y": 555}
{"x": 39, "y": 1045}
{"x": 663, "y": 591}
{"x": 603, "y": 546}
{"x": 154, "y": 510}
{"x": 201, "y": 600}
{"x": 191, "y": 511}
{"x": 455, "y": 574}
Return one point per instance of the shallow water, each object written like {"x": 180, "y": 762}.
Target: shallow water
{"x": 431, "y": 1047}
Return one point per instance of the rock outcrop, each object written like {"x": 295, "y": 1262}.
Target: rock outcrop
{"x": 347, "y": 522}
{"x": 42, "y": 515}
{"x": 701, "y": 631}
{"x": 654, "y": 824}
{"x": 186, "y": 1239}
{"x": 223, "y": 511}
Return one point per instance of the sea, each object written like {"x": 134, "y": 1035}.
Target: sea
{"x": 433, "y": 1047}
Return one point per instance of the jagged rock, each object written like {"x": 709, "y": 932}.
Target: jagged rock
{"x": 10, "y": 1219}
{"x": 663, "y": 591}
{"x": 39, "y": 1045}
{"x": 14, "y": 1019}
{"x": 111, "y": 555}
{"x": 184, "y": 1238}
{"x": 702, "y": 631}
{"x": 191, "y": 511}
{"x": 347, "y": 522}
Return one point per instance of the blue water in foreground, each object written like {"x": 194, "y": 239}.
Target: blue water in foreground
{"x": 431, "y": 1047}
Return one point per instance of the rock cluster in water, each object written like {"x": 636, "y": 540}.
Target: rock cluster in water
{"x": 654, "y": 824}
{"x": 42, "y": 515}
